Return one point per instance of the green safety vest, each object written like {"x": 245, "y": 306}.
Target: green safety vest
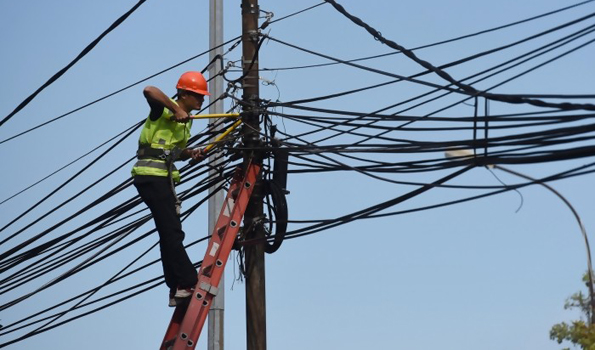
{"x": 164, "y": 134}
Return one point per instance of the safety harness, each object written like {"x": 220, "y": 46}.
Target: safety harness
{"x": 146, "y": 153}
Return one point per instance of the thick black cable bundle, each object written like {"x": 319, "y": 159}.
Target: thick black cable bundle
{"x": 466, "y": 88}
{"x": 278, "y": 216}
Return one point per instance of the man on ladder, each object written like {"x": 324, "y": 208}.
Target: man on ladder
{"x": 162, "y": 141}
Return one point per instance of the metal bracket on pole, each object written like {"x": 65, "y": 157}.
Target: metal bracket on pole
{"x": 209, "y": 288}
{"x": 253, "y": 35}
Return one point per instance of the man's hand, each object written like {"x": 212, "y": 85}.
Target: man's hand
{"x": 181, "y": 116}
{"x": 198, "y": 154}
{"x": 158, "y": 100}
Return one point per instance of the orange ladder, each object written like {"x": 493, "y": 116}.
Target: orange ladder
{"x": 188, "y": 319}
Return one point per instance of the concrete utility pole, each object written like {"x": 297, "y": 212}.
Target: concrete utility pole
{"x": 216, "y": 313}
{"x": 254, "y": 254}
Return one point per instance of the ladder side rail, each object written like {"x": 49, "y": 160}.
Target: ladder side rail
{"x": 188, "y": 319}
{"x": 173, "y": 330}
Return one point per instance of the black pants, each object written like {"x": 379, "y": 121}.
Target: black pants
{"x": 156, "y": 192}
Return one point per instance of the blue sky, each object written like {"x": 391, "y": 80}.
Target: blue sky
{"x": 468, "y": 276}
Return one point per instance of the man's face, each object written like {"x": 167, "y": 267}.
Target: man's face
{"x": 192, "y": 99}
{"x": 196, "y": 100}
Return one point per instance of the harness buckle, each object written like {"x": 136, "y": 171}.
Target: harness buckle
{"x": 165, "y": 155}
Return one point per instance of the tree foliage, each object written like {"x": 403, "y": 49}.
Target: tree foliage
{"x": 580, "y": 332}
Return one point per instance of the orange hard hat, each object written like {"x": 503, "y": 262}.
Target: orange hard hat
{"x": 193, "y": 81}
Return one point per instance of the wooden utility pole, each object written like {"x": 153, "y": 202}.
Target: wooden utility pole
{"x": 254, "y": 254}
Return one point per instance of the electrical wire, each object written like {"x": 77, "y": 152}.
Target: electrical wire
{"x": 551, "y": 136}
{"x": 83, "y": 53}
{"x": 119, "y": 90}
{"x": 443, "y": 41}
{"x": 464, "y": 87}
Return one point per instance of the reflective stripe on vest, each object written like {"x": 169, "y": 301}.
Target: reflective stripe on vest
{"x": 154, "y": 168}
{"x": 151, "y": 164}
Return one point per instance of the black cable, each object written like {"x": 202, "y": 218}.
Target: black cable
{"x": 11, "y": 251}
{"x": 118, "y": 91}
{"x": 252, "y": 61}
{"x": 109, "y": 281}
{"x": 373, "y": 209}
{"x": 569, "y": 39}
{"x": 577, "y": 171}
{"x": 378, "y": 71}
{"x": 27, "y": 336}
{"x": 343, "y": 166}
{"x": 38, "y": 250}
{"x": 466, "y": 88}
{"x": 400, "y": 117}
{"x": 371, "y": 212}
{"x": 278, "y": 215}
{"x": 4, "y": 255}
{"x": 505, "y": 81}
{"x": 112, "y": 280}
{"x": 467, "y": 59}
{"x": 85, "y": 51}
{"x": 508, "y": 188}
{"x": 19, "y": 278}
{"x": 64, "y": 275}
{"x": 67, "y": 165}
{"x": 301, "y": 11}
{"x": 443, "y": 42}
{"x": 315, "y": 120}
{"x": 579, "y": 152}
{"x": 108, "y": 216}
{"x": 95, "y": 259}
{"x": 78, "y": 304}
{"x": 558, "y": 155}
